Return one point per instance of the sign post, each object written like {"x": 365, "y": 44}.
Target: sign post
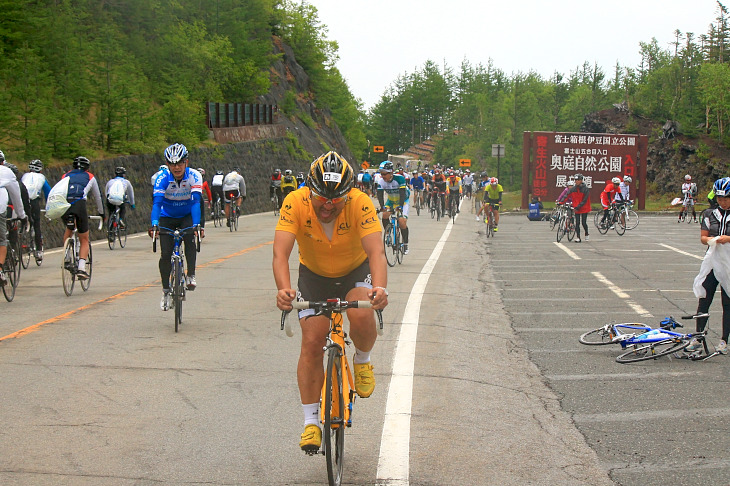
{"x": 497, "y": 151}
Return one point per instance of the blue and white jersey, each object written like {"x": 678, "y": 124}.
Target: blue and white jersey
{"x": 176, "y": 200}
{"x": 392, "y": 188}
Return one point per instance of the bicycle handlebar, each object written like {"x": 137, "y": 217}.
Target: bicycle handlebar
{"x": 158, "y": 230}
{"x": 101, "y": 221}
{"x": 331, "y": 305}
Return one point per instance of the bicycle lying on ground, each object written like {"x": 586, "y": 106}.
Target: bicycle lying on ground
{"x": 70, "y": 261}
{"x": 338, "y": 392}
{"x": 178, "y": 277}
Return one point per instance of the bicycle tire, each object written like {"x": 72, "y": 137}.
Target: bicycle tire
{"x": 390, "y": 251}
{"x": 571, "y": 229}
{"x": 554, "y": 216}
{"x": 334, "y": 422}
{"x": 418, "y": 205}
{"x": 10, "y": 269}
{"x": 603, "y": 228}
{"x": 432, "y": 210}
{"x": 25, "y": 248}
{"x": 618, "y": 225}
{"x": 122, "y": 235}
{"x": 648, "y": 351}
{"x": 174, "y": 283}
{"x": 398, "y": 245}
{"x": 632, "y": 219}
{"x": 235, "y": 218}
{"x": 688, "y": 219}
{"x": 217, "y": 213}
{"x": 89, "y": 267}
{"x": 562, "y": 224}
{"x": 68, "y": 267}
{"x": 111, "y": 235}
{"x": 452, "y": 210}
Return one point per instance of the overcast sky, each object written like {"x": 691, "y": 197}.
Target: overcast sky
{"x": 381, "y": 39}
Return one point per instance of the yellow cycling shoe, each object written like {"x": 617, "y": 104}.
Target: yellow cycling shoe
{"x": 364, "y": 379}
{"x": 311, "y": 439}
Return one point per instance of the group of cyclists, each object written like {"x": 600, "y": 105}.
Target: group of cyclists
{"x": 282, "y": 184}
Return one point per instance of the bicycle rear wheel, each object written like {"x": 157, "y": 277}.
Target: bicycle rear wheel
{"x": 111, "y": 234}
{"x": 11, "y": 274}
{"x": 618, "y": 225}
{"x": 570, "y": 231}
{"x": 632, "y": 219}
{"x": 68, "y": 266}
{"x": 334, "y": 423}
{"x": 86, "y": 282}
{"x": 390, "y": 249}
{"x": 562, "y": 226}
{"x": 653, "y": 350}
{"x": 235, "y": 218}
{"x": 25, "y": 248}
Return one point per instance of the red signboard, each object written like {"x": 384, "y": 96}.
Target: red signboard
{"x": 558, "y": 157}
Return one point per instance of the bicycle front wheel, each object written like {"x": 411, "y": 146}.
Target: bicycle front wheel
{"x": 89, "y": 267}
{"x": 562, "y": 226}
{"x": 122, "y": 234}
{"x": 334, "y": 423}
{"x": 600, "y": 336}
{"x": 68, "y": 266}
{"x": 632, "y": 219}
{"x": 571, "y": 229}
{"x": 111, "y": 233}
{"x": 11, "y": 274}
{"x": 653, "y": 350}
{"x": 391, "y": 252}
{"x": 25, "y": 248}
{"x": 618, "y": 224}
{"x": 177, "y": 278}
{"x": 399, "y": 245}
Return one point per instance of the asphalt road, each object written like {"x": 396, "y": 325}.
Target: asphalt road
{"x": 481, "y": 379}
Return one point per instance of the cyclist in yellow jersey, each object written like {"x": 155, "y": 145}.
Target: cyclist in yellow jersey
{"x": 453, "y": 184}
{"x": 341, "y": 255}
{"x": 493, "y": 196}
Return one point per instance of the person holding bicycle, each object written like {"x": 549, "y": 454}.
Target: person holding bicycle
{"x": 715, "y": 231}
{"x": 234, "y": 188}
{"x": 176, "y": 205}
{"x": 580, "y": 198}
{"x": 119, "y": 191}
{"x": 608, "y": 195}
{"x": 689, "y": 193}
{"x": 81, "y": 183}
{"x": 341, "y": 255}
{"x": 9, "y": 193}
{"x": 394, "y": 185}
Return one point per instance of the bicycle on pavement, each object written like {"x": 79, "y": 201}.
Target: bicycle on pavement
{"x": 217, "y": 212}
{"x": 437, "y": 204}
{"x": 116, "y": 231}
{"x": 234, "y": 212}
{"x": 393, "y": 239}
{"x": 70, "y": 260}
{"x": 489, "y": 219}
{"x": 178, "y": 277}
{"x": 454, "y": 199}
{"x": 338, "y": 391}
{"x": 28, "y": 247}
{"x": 13, "y": 264}
{"x": 627, "y": 216}
{"x": 418, "y": 200}
{"x": 566, "y": 223}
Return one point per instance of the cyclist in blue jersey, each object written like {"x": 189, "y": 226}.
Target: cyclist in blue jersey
{"x": 81, "y": 183}
{"x": 176, "y": 205}
{"x": 392, "y": 193}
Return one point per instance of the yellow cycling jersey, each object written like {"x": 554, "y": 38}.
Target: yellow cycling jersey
{"x": 455, "y": 186}
{"x": 342, "y": 254}
{"x": 492, "y": 192}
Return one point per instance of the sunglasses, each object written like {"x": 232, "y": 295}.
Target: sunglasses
{"x": 325, "y": 200}
{"x": 177, "y": 163}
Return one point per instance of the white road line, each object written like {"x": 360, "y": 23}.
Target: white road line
{"x": 629, "y": 417}
{"x": 682, "y": 252}
{"x": 393, "y": 461}
{"x": 566, "y": 250}
{"x": 622, "y": 295}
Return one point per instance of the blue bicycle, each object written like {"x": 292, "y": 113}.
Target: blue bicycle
{"x": 661, "y": 342}
{"x": 392, "y": 238}
{"x": 178, "y": 277}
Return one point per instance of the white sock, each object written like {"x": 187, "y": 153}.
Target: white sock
{"x": 361, "y": 357}
{"x": 311, "y": 413}
{"x": 82, "y": 264}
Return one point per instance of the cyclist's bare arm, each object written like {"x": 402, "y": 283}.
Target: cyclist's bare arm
{"x": 283, "y": 245}
{"x": 373, "y": 246}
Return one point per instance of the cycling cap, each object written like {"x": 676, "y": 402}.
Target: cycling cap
{"x": 82, "y": 163}
{"x": 330, "y": 176}
{"x": 176, "y": 153}
{"x": 120, "y": 171}
{"x": 627, "y": 178}
{"x": 722, "y": 187}
{"x": 35, "y": 166}
{"x": 688, "y": 177}
{"x": 616, "y": 180}
{"x": 578, "y": 177}
{"x": 386, "y": 166}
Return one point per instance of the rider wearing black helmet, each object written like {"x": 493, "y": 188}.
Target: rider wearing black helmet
{"x": 341, "y": 255}
{"x": 81, "y": 183}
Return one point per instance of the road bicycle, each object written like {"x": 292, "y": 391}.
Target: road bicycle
{"x": 115, "y": 231}
{"x": 418, "y": 200}
{"x": 28, "y": 248}
{"x": 662, "y": 342}
{"x": 233, "y": 213}
{"x": 217, "y": 212}
{"x": 393, "y": 238}
{"x": 566, "y": 223}
{"x": 277, "y": 205}
{"x": 489, "y": 220}
{"x": 70, "y": 260}
{"x": 338, "y": 391}
{"x": 628, "y": 217}
{"x": 453, "y": 206}
{"x": 687, "y": 206}
{"x": 616, "y": 333}
{"x": 436, "y": 207}
{"x": 555, "y": 215}
{"x": 612, "y": 221}
{"x": 178, "y": 277}
{"x": 13, "y": 264}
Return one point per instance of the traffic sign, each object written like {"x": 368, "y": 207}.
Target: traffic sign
{"x": 378, "y": 148}
{"x": 465, "y": 162}
{"x": 365, "y": 165}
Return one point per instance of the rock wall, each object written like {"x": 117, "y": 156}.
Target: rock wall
{"x": 256, "y": 159}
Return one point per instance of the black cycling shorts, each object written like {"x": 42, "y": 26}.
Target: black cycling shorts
{"x": 313, "y": 287}
{"x": 231, "y": 195}
{"x": 77, "y": 217}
